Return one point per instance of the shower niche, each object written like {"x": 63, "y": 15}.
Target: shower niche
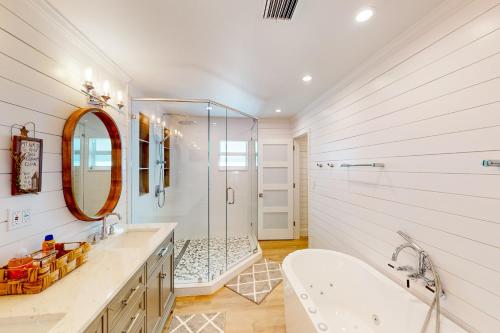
{"x": 203, "y": 155}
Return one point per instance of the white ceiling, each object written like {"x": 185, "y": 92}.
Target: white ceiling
{"x": 223, "y": 49}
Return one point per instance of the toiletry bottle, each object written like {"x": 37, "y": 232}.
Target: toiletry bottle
{"x": 49, "y": 244}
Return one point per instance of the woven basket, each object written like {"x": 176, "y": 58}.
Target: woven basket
{"x": 49, "y": 271}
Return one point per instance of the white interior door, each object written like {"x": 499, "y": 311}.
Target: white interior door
{"x": 276, "y": 189}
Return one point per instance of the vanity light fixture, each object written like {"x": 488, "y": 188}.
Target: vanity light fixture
{"x": 94, "y": 98}
{"x": 364, "y": 14}
{"x": 307, "y": 78}
{"x": 278, "y": 110}
{"x": 119, "y": 98}
{"x": 105, "y": 91}
{"x": 88, "y": 85}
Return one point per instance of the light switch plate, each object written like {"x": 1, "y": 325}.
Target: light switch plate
{"x": 18, "y": 218}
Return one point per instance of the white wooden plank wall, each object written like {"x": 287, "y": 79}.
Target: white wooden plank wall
{"x": 274, "y": 128}
{"x": 41, "y": 72}
{"x": 303, "y": 185}
{"x": 431, "y": 113}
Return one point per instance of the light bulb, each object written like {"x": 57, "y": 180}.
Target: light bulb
{"x": 364, "y": 15}
{"x": 307, "y": 78}
{"x": 119, "y": 96}
{"x": 88, "y": 74}
{"x": 105, "y": 87}
{"x": 158, "y": 120}
{"x": 163, "y": 123}
{"x": 153, "y": 117}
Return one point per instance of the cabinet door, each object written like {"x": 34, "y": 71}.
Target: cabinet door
{"x": 153, "y": 306}
{"x": 98, "y": 326}
{"x": 167, "y": 282}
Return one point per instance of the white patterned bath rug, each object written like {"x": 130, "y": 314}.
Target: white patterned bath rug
{"x": 212, "y": 322}
{"x": 257, "y": 281}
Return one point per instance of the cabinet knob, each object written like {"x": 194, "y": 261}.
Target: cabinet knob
{"x": 163, "y": 275}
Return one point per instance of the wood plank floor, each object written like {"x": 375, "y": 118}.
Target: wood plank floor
{"x": 242, "y": 315}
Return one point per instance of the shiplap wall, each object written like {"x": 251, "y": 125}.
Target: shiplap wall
{"x": 431, "y": 112}
{"x": 275, "y": 128}
{"x": 41, "y": 71}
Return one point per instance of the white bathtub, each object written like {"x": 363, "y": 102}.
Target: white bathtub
{"x": 328, "y": 291}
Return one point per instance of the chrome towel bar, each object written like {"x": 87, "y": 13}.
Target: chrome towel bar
{"x": 374, "y": 165}
{"x": 488, "y": 163}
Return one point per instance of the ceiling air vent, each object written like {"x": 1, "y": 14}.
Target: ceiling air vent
{"x": 279, "y": 9}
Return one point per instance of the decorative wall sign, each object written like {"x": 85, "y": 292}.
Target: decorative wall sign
{"x": 27, "y": 156}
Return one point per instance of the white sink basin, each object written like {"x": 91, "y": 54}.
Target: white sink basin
{"x": 35, "y": 323}
{"x": 132, "y": 238}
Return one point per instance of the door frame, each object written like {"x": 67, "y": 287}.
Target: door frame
{"x": 296, "y": 180}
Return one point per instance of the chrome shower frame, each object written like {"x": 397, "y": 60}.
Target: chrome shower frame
{"x": 200, "y": 101}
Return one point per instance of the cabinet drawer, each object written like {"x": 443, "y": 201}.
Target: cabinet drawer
{"x": 133, "y": 319}
{"x": 166, "y": 246}
{"x": 130, "y": 294}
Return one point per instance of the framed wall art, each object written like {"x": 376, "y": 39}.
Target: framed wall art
{"x": 27, "y": 155}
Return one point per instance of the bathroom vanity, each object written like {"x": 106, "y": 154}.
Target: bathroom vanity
{"x": 125, "y": 286}
{"x": 145, "y": 302}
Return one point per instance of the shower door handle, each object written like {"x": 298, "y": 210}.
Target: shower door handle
{"x": 232, "y": 197}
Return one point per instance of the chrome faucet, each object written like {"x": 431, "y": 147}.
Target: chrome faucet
{"x": 424, "y": 263}
{"x": 104, "y": 231}
{"x": 422, "y": 258}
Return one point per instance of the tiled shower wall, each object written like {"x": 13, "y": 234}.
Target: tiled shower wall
{"x": 429, "y": 108}
{"x": 41, "y": 70}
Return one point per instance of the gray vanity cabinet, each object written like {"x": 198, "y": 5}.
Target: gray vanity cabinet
{"x": 167, "y": 282}
{"x": 153, "y": 292}
{"x": 160, "y": 291}
{"x": 146, "y": 301}
{"x": 99, "y": 325}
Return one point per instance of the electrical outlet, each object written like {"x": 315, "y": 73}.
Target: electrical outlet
{"x": 18, "y": 218}
{"x": 27, "y": 216}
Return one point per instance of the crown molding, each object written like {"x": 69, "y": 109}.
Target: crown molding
{"x": 427, "y": 22}
{"x": 78, "y": 38}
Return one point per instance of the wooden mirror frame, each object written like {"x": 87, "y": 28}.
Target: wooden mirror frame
{"x": 67, "y": 164}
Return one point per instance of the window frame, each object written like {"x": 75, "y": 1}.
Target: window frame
{"x": 92, "y": 153}
{"x": 226, "y": 153}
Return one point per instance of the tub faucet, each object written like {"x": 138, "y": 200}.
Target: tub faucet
{"x": 422, "y": 256}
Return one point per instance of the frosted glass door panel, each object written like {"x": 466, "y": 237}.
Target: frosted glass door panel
{"x": 276, "y": 220}
{"x": 276, "y": 189}
{"x": 275, "y": 175}
{"x": 275, "y": 153}
{"x": 275, "y": 198}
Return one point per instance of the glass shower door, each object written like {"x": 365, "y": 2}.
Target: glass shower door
{"x": 240, "y": 170}
{"x": 218, "y": 191}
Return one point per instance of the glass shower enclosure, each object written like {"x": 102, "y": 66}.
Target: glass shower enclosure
{"x": 200, "y": 165}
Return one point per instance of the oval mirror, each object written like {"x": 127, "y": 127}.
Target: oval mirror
{"x": 91, "y": 158}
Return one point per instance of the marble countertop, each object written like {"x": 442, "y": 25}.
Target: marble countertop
{"x": 77, "y": 299}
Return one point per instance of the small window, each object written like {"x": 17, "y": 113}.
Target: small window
{"x": 99, "y": 154}
{"x": 233, "y": 155}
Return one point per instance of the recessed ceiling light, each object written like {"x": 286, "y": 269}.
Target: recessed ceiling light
{"x": 278, "y": 110}
{"x": 307, "y": 78}
{"x": 364, "y": 14}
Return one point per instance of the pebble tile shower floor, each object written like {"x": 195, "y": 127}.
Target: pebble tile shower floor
{"x": 192, "y": 266}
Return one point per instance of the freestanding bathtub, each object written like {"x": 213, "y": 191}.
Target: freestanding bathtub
{"x": 328, "y": 291}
